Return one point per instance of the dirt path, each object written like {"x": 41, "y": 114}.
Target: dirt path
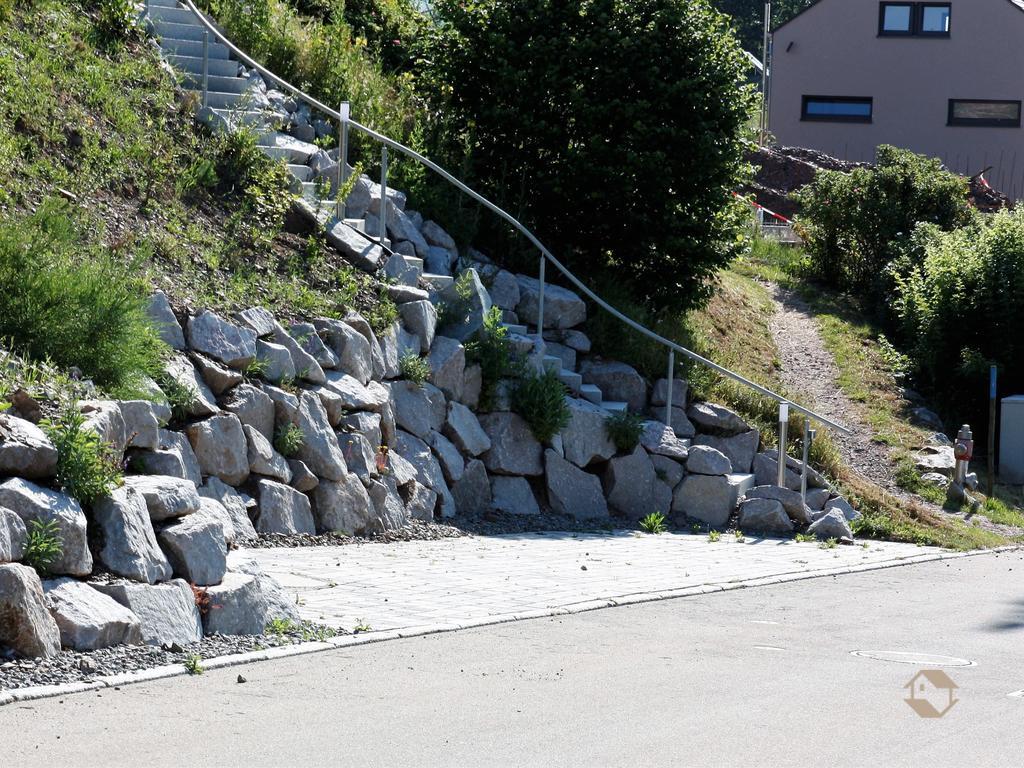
{"x": 809, "y": 371}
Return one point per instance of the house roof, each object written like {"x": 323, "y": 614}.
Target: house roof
{"x": 1018, "y": 3}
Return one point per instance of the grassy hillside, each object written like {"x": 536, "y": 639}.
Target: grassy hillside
{"x": 106, "y": 175}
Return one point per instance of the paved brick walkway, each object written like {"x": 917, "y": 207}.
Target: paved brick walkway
{"x": 416, "y": 586}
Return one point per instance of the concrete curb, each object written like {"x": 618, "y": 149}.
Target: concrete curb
{"x": 351, "y": 641}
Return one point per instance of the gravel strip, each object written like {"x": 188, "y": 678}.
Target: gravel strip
{"x": 82, "y": 667}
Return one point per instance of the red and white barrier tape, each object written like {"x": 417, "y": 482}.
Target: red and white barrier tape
{"x": 760, "y": 207}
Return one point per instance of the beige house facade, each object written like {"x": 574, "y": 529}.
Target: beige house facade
{"x": 942, "y": 79}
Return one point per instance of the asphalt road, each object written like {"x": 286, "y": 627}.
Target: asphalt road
{"x": 761, "y": 676}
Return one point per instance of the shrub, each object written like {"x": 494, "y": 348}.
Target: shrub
{"x": 624, "y": 429}
{"x": 414, "y": 368}
{"x": 288, "y": 440}
{"x": 574, "y": 124}
{"x": 115, "y": 22}
{"x": 75, "y": 304}
{"x": 44, "y": 544}
{"x": 492, "y": 350}
{"x": 540, "y": 399}
{"x": 960, "y": 308}
{"x": 855, "y": 224}
{"x": 86, "y": 466}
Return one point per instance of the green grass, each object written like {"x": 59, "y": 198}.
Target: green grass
{"x": 414, "y": 368}
{"x": 288, "y": 440}
{"x": 734, "y": 330}
{"x": 540, "y": 399}
{"x": 653, "y": 523}
{"x": 43, "y": 546}
{"x": 147, "y": 197}
{"x": 86, "y": 466}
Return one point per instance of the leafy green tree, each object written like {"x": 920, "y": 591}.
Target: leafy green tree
{"x": 612, "y": 127}
{"x": 748, "y": 18}
{"x": 856, "y": 224}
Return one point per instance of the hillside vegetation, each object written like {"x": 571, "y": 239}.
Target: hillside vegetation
{"x": 109, "y": 190}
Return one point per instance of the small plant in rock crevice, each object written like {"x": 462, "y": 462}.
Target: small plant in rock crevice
{"x": 280, "y": 627}
{"x": 540, "y": 399}
{"x": 86, "y": 466}
{"x": 44, "y": 545}
{"x": 414, "y": 368}
{"x": 714, "y": 536}
{"x": 805, "y": 537}
{"x": 830, "y": 543}
{"x": 624, "y": 430}
{"x": 193, "y": 664}
{"x": 180, "y": 397}
{"x": 257, "y": 369}
{"x": 653, "y": 523}
{"x": 491, "y": 349}
{"x": 288, "y": 440}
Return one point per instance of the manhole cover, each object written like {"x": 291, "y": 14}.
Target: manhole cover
{"x": 917, "y": 659}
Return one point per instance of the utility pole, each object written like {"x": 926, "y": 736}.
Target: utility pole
{"x": 765, "y": 79}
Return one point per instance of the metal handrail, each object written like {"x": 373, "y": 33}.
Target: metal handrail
{"x": 522, "y": 229}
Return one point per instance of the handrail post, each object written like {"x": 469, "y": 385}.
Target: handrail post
{"x": 343, "y": 113}
{"x": 206, "y": 66}
{"x": 809, "y": 435}
{"x": 783, "y": 436}
{"x": 383, "y": 194}
{"x": 540, "y": 304}
{"x": 671, "y": 375}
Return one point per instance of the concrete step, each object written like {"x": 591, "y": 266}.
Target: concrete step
{"x": 303, "y": 173}
{"x": 592, "y": 393}
{"x": 552, "y": 363}
{"x": 615, "y": 406}
{"x": 437, "y": 282}
{"x": 572, "y": 380}
{"x": 740, "y": 483}
{"x": 191, "y": 30}
{"x": 359, "y": 225}
{"x": 194, "y": 65}
{"x": 194, "y": 48}
{"x": 174, "y": 14}
{"x": 522, "y": 345}
{"x": 218, "y": 100}
{"x": 513, "y": 328}
{"x": 194, "y": 80}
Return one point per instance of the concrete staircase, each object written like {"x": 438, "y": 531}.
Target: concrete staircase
{"x": 231, "y": 102}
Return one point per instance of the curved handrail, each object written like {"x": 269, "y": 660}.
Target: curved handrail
{"x": 515, "y": 223}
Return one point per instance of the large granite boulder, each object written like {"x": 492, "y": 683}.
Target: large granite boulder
{"x": 129, "y": 542}
{"x": 716, "y": 419}
{"x": 220, "y": 447}
{"x": 764, "y": 515}
{"x": 707, "y": 498}
{"x": 167, "y": 613}
{"x": 389, "y": 509}
{"x": 831, "y": 525}
{"x": 428, "y": 469}
{"x": 283, "y": 509}
{"x": 790, "y": 501}
{"x": 447, "y": 360}
{"x": 32, "y": 502}
{"x": 420, "y": 318}
{"x": 217, "y": 338}
{"x": 448, "y": 456}
{"x": 704, "y": 460}
{"x": 420, "y": 501}
{"x": 562, "y": 307}
{"x": 571, "y": 491}
{"x": 165, "y": 497}
{"x": 514, "y": 450}
{"x": 351, "y": 349}
{"x": 630, "y": 483}
{"x": 585, "y": 437}
{"x": 320, "y": 450}
{"x": 658, "y": 439}
{"x": 179, "y": 371}
{"x": 263, "y": 459}
{"x": 172, "y": 457}
{"x": 307, "y": 337}
{"x": 26, "y": 626}
{"x": 467, "y": 302}
{"x": 217, "y": 490}
{"x": 342, "y": 506}
{"x": 463, "y": 428}
{"x": 513, "y": 495}
{"x": 472, "y": 493}
{"x": 167, "y": 326}
{"x": 13, "y": 536}
{"x": 739, "y": 448}
{"x": 88, "y": 619}
{"x": 197, "y": 549}
{"x": 25, "y": 450}
{"x": 419, "y": 409}
{"x": 617, "y": 381}
{"x": 253, "y": 407}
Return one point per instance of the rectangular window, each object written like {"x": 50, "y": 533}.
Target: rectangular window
{"x": 906, "y": 19}
{"x": 934, "y": 20}
{"x": 896, "y": 19}
{"x": 976, "y": 112}
{"x": 837, "y": 109}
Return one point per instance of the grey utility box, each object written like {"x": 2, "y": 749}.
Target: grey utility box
{"x": 1011, "y": 441}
